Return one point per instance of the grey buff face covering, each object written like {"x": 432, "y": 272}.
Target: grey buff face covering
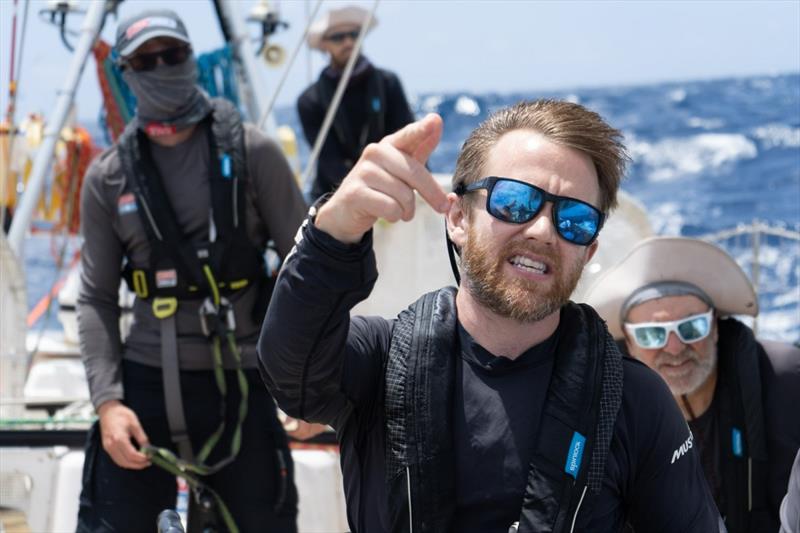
{"x": 168, "y": 94}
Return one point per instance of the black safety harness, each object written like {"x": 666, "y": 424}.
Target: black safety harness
{"x": 181, "y": 270}
{"x": 744, "y": 459}
{"x": 574, "y": 436}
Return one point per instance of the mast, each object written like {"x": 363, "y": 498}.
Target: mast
{"x": 92, "y": 24}
{"x": 251, "y": 84}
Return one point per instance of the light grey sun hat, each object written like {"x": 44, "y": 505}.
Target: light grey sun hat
{"x": 665, "y": 265}
{"x": 344, "y": 16}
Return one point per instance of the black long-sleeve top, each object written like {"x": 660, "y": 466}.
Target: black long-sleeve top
{"x": 323, "y": 366}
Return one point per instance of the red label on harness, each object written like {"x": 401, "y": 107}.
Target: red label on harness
{"x": 166, "y": 278}
{"x": 157, "y": 129}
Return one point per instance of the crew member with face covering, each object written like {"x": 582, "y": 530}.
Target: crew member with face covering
{"x": 373, "y": 104}
{"x": 673, "y": 301}
{"x": 182, "y": 207}
{"x": 497, "y": 406}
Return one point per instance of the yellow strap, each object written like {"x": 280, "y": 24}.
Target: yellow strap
{"x": 165, "y": 307}
{"x": 140, "y": 284}
{"x": 213, "y": 284}
{"x": 238, "y": 284}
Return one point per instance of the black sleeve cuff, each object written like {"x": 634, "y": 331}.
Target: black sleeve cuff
{"x": 336, "y": 249}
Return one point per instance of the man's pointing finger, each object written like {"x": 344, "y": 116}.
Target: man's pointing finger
{"x": 419, "y": 138}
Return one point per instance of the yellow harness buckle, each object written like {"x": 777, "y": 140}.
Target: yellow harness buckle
{"x": 165, "y": 307}
{"x": 140, "y": 284}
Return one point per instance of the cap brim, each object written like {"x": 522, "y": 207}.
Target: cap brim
{"x": 673, "y": 259}
{"x": 145, "y": 36}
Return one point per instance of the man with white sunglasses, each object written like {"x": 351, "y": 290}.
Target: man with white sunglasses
{"x": 671, "y": 300}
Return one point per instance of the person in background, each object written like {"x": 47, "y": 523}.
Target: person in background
{"x": 499, "y": 405}
{"x": 672, "y": 300}
{"x": 182, "y": 207}
{"x": 373, "y": 104}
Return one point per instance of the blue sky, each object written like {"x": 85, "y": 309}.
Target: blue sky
{"x": 475, "y": 46}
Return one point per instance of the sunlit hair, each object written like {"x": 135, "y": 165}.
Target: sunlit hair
{"x": 563, "y": 123}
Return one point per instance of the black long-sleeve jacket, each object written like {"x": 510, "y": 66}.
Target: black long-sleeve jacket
{"x": 323, "y": 366}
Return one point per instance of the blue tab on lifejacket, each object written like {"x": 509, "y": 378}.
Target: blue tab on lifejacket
{"x": 376, "y": 104}
{"x": 575, "y": 454}
{"x": 738, "y": 445}
{"x": 225, "y": 164}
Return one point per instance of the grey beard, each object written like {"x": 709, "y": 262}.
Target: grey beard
{"x": 169, "y": 94}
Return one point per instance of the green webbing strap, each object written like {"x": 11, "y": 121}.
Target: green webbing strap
{"x": 198, "y": 466}
{"x": 186, "y": 466}
{"x": 168, "y": 461}
{"x": 213, "y": 284}
{"x": 244, "y": 388}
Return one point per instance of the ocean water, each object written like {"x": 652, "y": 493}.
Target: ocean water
{"x": 707, "y": 156}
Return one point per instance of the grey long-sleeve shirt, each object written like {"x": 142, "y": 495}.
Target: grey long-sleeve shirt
{"x": 112, "y": 230}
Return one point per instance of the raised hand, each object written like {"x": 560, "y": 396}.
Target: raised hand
{"x": 383, "y": 181}
{"x": 118, "y": 425}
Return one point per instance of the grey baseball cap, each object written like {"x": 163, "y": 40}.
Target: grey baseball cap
{"x": 134, "y": 31}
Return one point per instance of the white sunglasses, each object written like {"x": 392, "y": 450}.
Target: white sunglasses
{"x": 654, "y": 335}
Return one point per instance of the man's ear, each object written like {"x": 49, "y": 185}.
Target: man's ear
{"x": 457, "y": 220}
{"x": 590, "y": 251}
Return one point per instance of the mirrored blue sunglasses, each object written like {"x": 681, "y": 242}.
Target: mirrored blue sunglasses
{"x": 654, "y": 335}
{"x": 518, "y": 202}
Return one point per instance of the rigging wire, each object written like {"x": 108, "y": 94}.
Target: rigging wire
{"x": 22, "y": 41}
{"x": 306, "y": 5}
{"x": 13, "y": 87}
{"x": 337, "y": 97}
{"x": 286, "y": 70}
{"x": 13, "y": 53}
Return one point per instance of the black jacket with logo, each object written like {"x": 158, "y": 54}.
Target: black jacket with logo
{"x": 323, "y": 366}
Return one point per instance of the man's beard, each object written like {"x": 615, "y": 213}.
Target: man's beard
{"x": 517, "y": 298}
{"x": 690, "y": 381}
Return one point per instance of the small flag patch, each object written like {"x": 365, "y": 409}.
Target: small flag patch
{"x": 126, "y": 204}
{"x": 166, "y": 278}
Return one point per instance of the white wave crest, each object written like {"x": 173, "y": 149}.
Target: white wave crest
{"x": 431, "y": 103}
{"x": 467, "y": 106}
{"x": 677, "y": 95}
{"x": 779, "y": 325}
{"x": 667, "y": 219}
{"x": 705, "y": 123}
{"x": 675, "y": 157}
{"x": 777, "y": 135}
